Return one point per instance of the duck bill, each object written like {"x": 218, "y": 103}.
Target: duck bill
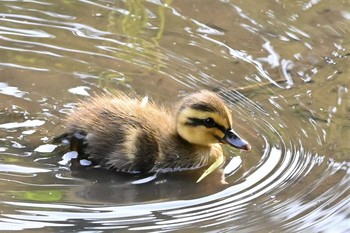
{"x": 232, "y": 138}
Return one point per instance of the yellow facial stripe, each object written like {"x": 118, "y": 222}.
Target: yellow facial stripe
{"x": 214, "y": 131}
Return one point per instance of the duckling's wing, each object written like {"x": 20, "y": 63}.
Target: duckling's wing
{"x": 121, "y": 133}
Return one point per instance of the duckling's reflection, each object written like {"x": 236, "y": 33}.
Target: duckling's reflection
{"x": 115, "y": 187}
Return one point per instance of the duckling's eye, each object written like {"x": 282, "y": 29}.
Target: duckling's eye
{"x": 209, "y": 122}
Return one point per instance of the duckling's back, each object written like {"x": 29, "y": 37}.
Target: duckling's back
{"x": 120, "y": 132}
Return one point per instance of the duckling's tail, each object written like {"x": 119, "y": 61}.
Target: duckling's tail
{"x": 75, "y": 140}
{"x": 60, "y": 138}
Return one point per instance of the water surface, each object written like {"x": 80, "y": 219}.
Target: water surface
{"x": 282, "y": 67}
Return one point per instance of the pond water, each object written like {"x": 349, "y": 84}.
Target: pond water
{"x": 283, "y": 67}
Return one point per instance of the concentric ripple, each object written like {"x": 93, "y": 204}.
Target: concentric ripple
{"x": 283, "y": 70}
{"x": 262, "y": 194}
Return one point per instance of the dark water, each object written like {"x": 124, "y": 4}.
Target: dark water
{"x": 283, "y": 66}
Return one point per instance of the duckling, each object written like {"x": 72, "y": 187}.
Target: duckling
{"x": 128, "y": 135}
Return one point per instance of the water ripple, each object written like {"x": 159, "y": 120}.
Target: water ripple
{"x": 290, "y": 181}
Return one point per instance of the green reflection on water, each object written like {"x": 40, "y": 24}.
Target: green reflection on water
{"x": 40, "y": 195}
{"x": 138, "y": 49}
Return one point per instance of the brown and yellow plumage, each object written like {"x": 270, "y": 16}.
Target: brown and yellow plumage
{"x": 125, "y": 134}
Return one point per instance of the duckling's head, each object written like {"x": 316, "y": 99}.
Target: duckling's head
{"x": 204, "y": 119}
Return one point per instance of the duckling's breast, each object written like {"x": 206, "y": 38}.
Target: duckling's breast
{"x": 176, "y": 154}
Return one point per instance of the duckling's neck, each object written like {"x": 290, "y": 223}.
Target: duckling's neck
{"x": 177, "y": 154}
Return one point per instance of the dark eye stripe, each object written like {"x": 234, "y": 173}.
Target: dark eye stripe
{"x": 197, "y": 122}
